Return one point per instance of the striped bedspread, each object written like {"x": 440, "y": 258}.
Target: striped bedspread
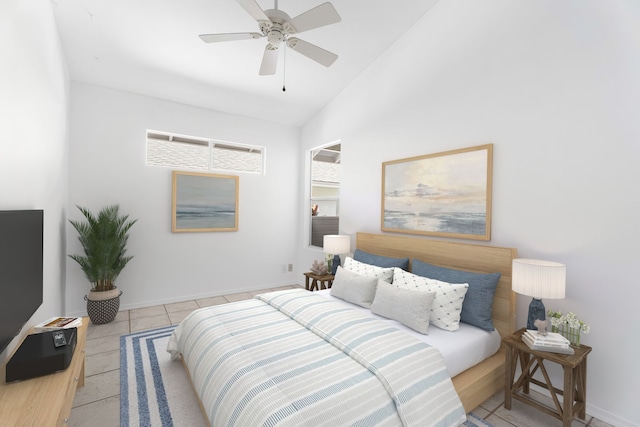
{"x": 294, "y": 358}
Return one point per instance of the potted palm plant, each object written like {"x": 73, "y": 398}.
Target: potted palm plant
{"x": 104, "y": 240}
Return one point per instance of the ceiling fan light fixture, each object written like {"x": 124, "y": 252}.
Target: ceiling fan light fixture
{"x": 275, "y": 37}
{"x": 277, "y": 26}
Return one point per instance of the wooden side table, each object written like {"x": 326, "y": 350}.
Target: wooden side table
{"x": 574, "y": 366}
{"x": 314, "y": 282}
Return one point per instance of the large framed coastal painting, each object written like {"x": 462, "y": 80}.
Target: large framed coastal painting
{"x": 204, "y": 202}
{"x": 443, "y": 194}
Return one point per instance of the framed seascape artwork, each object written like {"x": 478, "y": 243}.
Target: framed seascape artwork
{"x": 444, "y": 194}
{"x": 204, "y": 202}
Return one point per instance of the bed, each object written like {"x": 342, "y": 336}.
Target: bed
{"x": 281, "y": 359}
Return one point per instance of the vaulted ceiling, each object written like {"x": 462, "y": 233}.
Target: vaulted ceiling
{"x": 151, "y": 47}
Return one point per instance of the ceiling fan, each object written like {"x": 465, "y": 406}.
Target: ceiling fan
{"x": 278, "y": 27}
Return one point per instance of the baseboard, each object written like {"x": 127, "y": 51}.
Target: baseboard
{"x": 182, "y": 298}
{"x": 595, "y": 411}
{"x": 608, "y": 417}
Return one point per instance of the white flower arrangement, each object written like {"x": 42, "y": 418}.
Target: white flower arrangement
{"x": 558, "y": 321}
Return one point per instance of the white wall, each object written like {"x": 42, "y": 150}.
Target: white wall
{"x": 555, "y": 87}
{"x": 107, "y": 166}
{"x": 552, "y": 84}
{"x": 34, "y": 128}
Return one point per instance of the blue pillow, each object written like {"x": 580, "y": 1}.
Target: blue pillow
{"x": 478, "y": 302}
{"x": 381, "y": 261}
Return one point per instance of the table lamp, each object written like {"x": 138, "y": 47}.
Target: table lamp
{"x": 334, "y": 244}
{"x": 538, "y": 279}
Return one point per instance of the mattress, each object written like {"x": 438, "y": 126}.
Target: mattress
{"x": 460, "y": 349}
{"x": 296, "y": 358}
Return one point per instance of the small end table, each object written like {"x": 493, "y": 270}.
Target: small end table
{"x": 314, "y": 281}
{"x": 575, "y": 378}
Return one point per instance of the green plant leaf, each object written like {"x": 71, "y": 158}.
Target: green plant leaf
{"x": 104, "y": 239}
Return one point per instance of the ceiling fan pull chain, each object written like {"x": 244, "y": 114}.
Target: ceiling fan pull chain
{"x": 284, "y": 66}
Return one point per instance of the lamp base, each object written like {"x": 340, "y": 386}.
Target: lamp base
{"x": 536, "y": 311}
{"x": 335, "y": 264}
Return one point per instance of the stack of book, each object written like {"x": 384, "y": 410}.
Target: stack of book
{"x": 552, "y": 342}
{"x": 56, "y": 323}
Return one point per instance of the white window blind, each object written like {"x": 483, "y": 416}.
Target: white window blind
{"x": 187, "y": 152}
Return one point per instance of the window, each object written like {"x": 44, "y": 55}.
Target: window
{"x": 325, "y": 193}
{"x": 188, "y": 152}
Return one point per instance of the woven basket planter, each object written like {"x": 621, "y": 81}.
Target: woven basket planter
{"x": 103, "y": 307}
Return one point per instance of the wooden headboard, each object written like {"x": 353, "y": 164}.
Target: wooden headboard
{"x": 460, "y": 256}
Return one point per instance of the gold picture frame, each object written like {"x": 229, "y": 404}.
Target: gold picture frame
{"x": 445, "y": 194}
{"x": 203, "y": 202}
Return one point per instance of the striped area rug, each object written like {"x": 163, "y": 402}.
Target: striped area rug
{"x": 155, "y": 391}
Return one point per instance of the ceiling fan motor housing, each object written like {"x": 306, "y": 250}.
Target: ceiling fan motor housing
{"x": 277, "y": 16}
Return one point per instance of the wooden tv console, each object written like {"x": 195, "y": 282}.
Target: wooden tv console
{"x": 44, "y": 401}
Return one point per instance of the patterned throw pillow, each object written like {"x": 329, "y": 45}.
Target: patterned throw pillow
{"x": 363, "y": 269}
{"x": 447, "y": 305}
{"x": 478, "y": 302}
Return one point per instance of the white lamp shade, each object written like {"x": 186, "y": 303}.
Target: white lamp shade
{"x": 538, "y": 279}
{"x": 336, "y": 244}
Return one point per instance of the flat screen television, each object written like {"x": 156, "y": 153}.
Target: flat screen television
{"x": 21, "y": 270}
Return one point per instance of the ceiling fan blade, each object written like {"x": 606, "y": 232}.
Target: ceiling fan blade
{"x": 215, "y": 38}
{"x": 269, "y": 61}
{"x": 253, "y": 9}
{"x": 312, "y": 51}
{"x": 322, "y": 15}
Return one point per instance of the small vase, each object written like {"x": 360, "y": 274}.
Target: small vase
{"x": 572, "y": 334}
{"x": 329, "y": 260}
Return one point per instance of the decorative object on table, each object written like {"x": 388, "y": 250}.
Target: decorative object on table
{"x": 333, "y": 245}
{"x": 538, "y": 279}
{"x": 319, "y": 268}
{"x": 552, "y": 342}
{"x": 444, "y": 194}
{"x": 568, "y": 325}
{"x": 204, "y": 202}
{"x": 542, "y": 326}
{"x": 104, "y": 241}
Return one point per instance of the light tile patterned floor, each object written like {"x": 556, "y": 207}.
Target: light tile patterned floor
{"x": 97, "y": 404}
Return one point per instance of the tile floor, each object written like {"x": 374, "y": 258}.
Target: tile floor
{"x": 97, "y": 404}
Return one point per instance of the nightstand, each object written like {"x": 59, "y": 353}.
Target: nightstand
{"x": 314, "y": 281}
{"x": 574, "y": 366}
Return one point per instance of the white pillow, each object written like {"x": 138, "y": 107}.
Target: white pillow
{"x": 447, "y": 305}
{"x": 354, "y": 288}
{"x": 411, "y": 308}
{"x": 363, "y": 269}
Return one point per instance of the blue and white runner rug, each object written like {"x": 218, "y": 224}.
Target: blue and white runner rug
{"x": 156, "y": 391}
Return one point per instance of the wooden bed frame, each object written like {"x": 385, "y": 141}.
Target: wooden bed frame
{"x": 477, "y": 384}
